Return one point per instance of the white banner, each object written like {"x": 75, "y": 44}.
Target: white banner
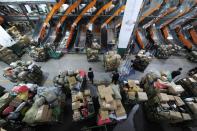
{"x": 5, "y": 39}
{"x": 131, "y": 13}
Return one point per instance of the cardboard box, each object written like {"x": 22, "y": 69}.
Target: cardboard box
{"x": 131, "y": 83}
{"x": 193, "y": 107}
{"x": 186, "y": 116}
{"x": 75, "y": 105}
{"x": 118, "y": 103}
{"x": 71, "y": 81}
{"x": 108, "y": 98}
{"x": 41, "y": 115}
{"x": 101, "y": 91}
{"x": 178, "y": 101}
{"x": 120, "y": 111}
{"x": 131, "y": 95}
{"x": 142, "y": 96}
{"x": 174, "y": 115}
{"x": 163, "y": 97}
{"x": 104, "y": 115}
{"x": 108, "y": 90}
{"x": 175, "y": 89}
{"x": 165, "y": 105}
{"x": 49, "y": 115}
{"x": 87, "y": 92}
{"x": 171, "y": 97}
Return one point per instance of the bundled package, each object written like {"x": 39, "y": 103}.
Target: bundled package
{"x": 111, "y": 61}
{"x": 92, "y": 54}
{"x": 38, "y": 54}
{"x": 7, "y": 55}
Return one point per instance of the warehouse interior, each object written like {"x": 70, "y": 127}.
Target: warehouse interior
{"x": 98, "y": 65}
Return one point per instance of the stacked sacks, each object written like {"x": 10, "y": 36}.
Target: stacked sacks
{"x": 31, "y": 104}
{"x": 111, "y": 107}
{"x": 7, "y": 55}
{"x": 21, "y": 71}
{"x": 164, "y": 100}
{"x": 82, "y": 105}
{"x": 70, "y": 79}
{"x": 17, "y": 102}
{"x": 141, "y": 61}
{"x": 93, "y": 52}
{"x": 192, "y": 56}
{"x": 22, "y": 41}
{"x": 134, "y": 92}
{"x": 46, "y": 106}
{"x": 39, "y": 54}
{"x": 111, "y": 61}
{"x": 165, "y": 51}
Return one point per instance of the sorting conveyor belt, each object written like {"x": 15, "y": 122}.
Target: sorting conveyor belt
{"x": 183, "y": 9}
{"x": 168, "y": 7}
{"x": 117, "y": 12}
{"x": 151, "y": 8}
{"x": 90, "y": 5}
{"x": 46, "y": 24}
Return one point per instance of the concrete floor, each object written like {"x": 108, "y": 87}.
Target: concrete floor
{"x": 53, "y": 67}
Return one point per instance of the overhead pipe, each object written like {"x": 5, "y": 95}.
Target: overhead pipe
{"x": 183, "y": 8}
{"x": 46, "y": 24}
{"x": 90, "y": 5}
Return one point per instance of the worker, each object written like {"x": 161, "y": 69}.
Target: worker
{"x": 91, "y": 75}
{"x": 176, "y": 73}
{"x": 115, "y": 77}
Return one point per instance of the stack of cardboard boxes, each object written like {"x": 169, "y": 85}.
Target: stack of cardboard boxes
{"x": 110, "y": 107}
{"x": 82, "y": 105}
{"x": 134, "y": 92}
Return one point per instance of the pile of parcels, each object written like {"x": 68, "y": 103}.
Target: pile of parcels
{"x": 7, "y": 55}
{"x": 142, "y": 60}
{"x": 93, "y": 52}
{"x": 165, "y": 51}
{"x": 192, "y": 56}
{"x": 39, "y": 54}
{"x": 190, "y": 84}
{"x": 165, "y": 101}
{"x": 134, "y": 92}
{"x": 31, "y": 104}
{"x": 111, "y": 108}
{"x": 70, "y": 79}
{"x": 22, "y": 71}
{"x": 111, "y": 60}
{"x": 22, "y": 41}
{"x": 82, "y": 105}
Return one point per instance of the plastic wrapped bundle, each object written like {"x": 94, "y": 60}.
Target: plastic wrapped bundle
{"x": 7, "y": 55}
{"x": 165, "y": 51}
{"x": 39, "y": 54}
{"x": 111, "y": 61}
{"x": 21, "y": 71}
{"x": 92, "y": 54}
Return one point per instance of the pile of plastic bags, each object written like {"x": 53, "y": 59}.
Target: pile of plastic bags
{"x": 21, "y": 71}
{"x": 111, "y": 61}
{"x": 31, "y": 104}
{"x": 7, "y": 55}
{"x": 39, "y": 54}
